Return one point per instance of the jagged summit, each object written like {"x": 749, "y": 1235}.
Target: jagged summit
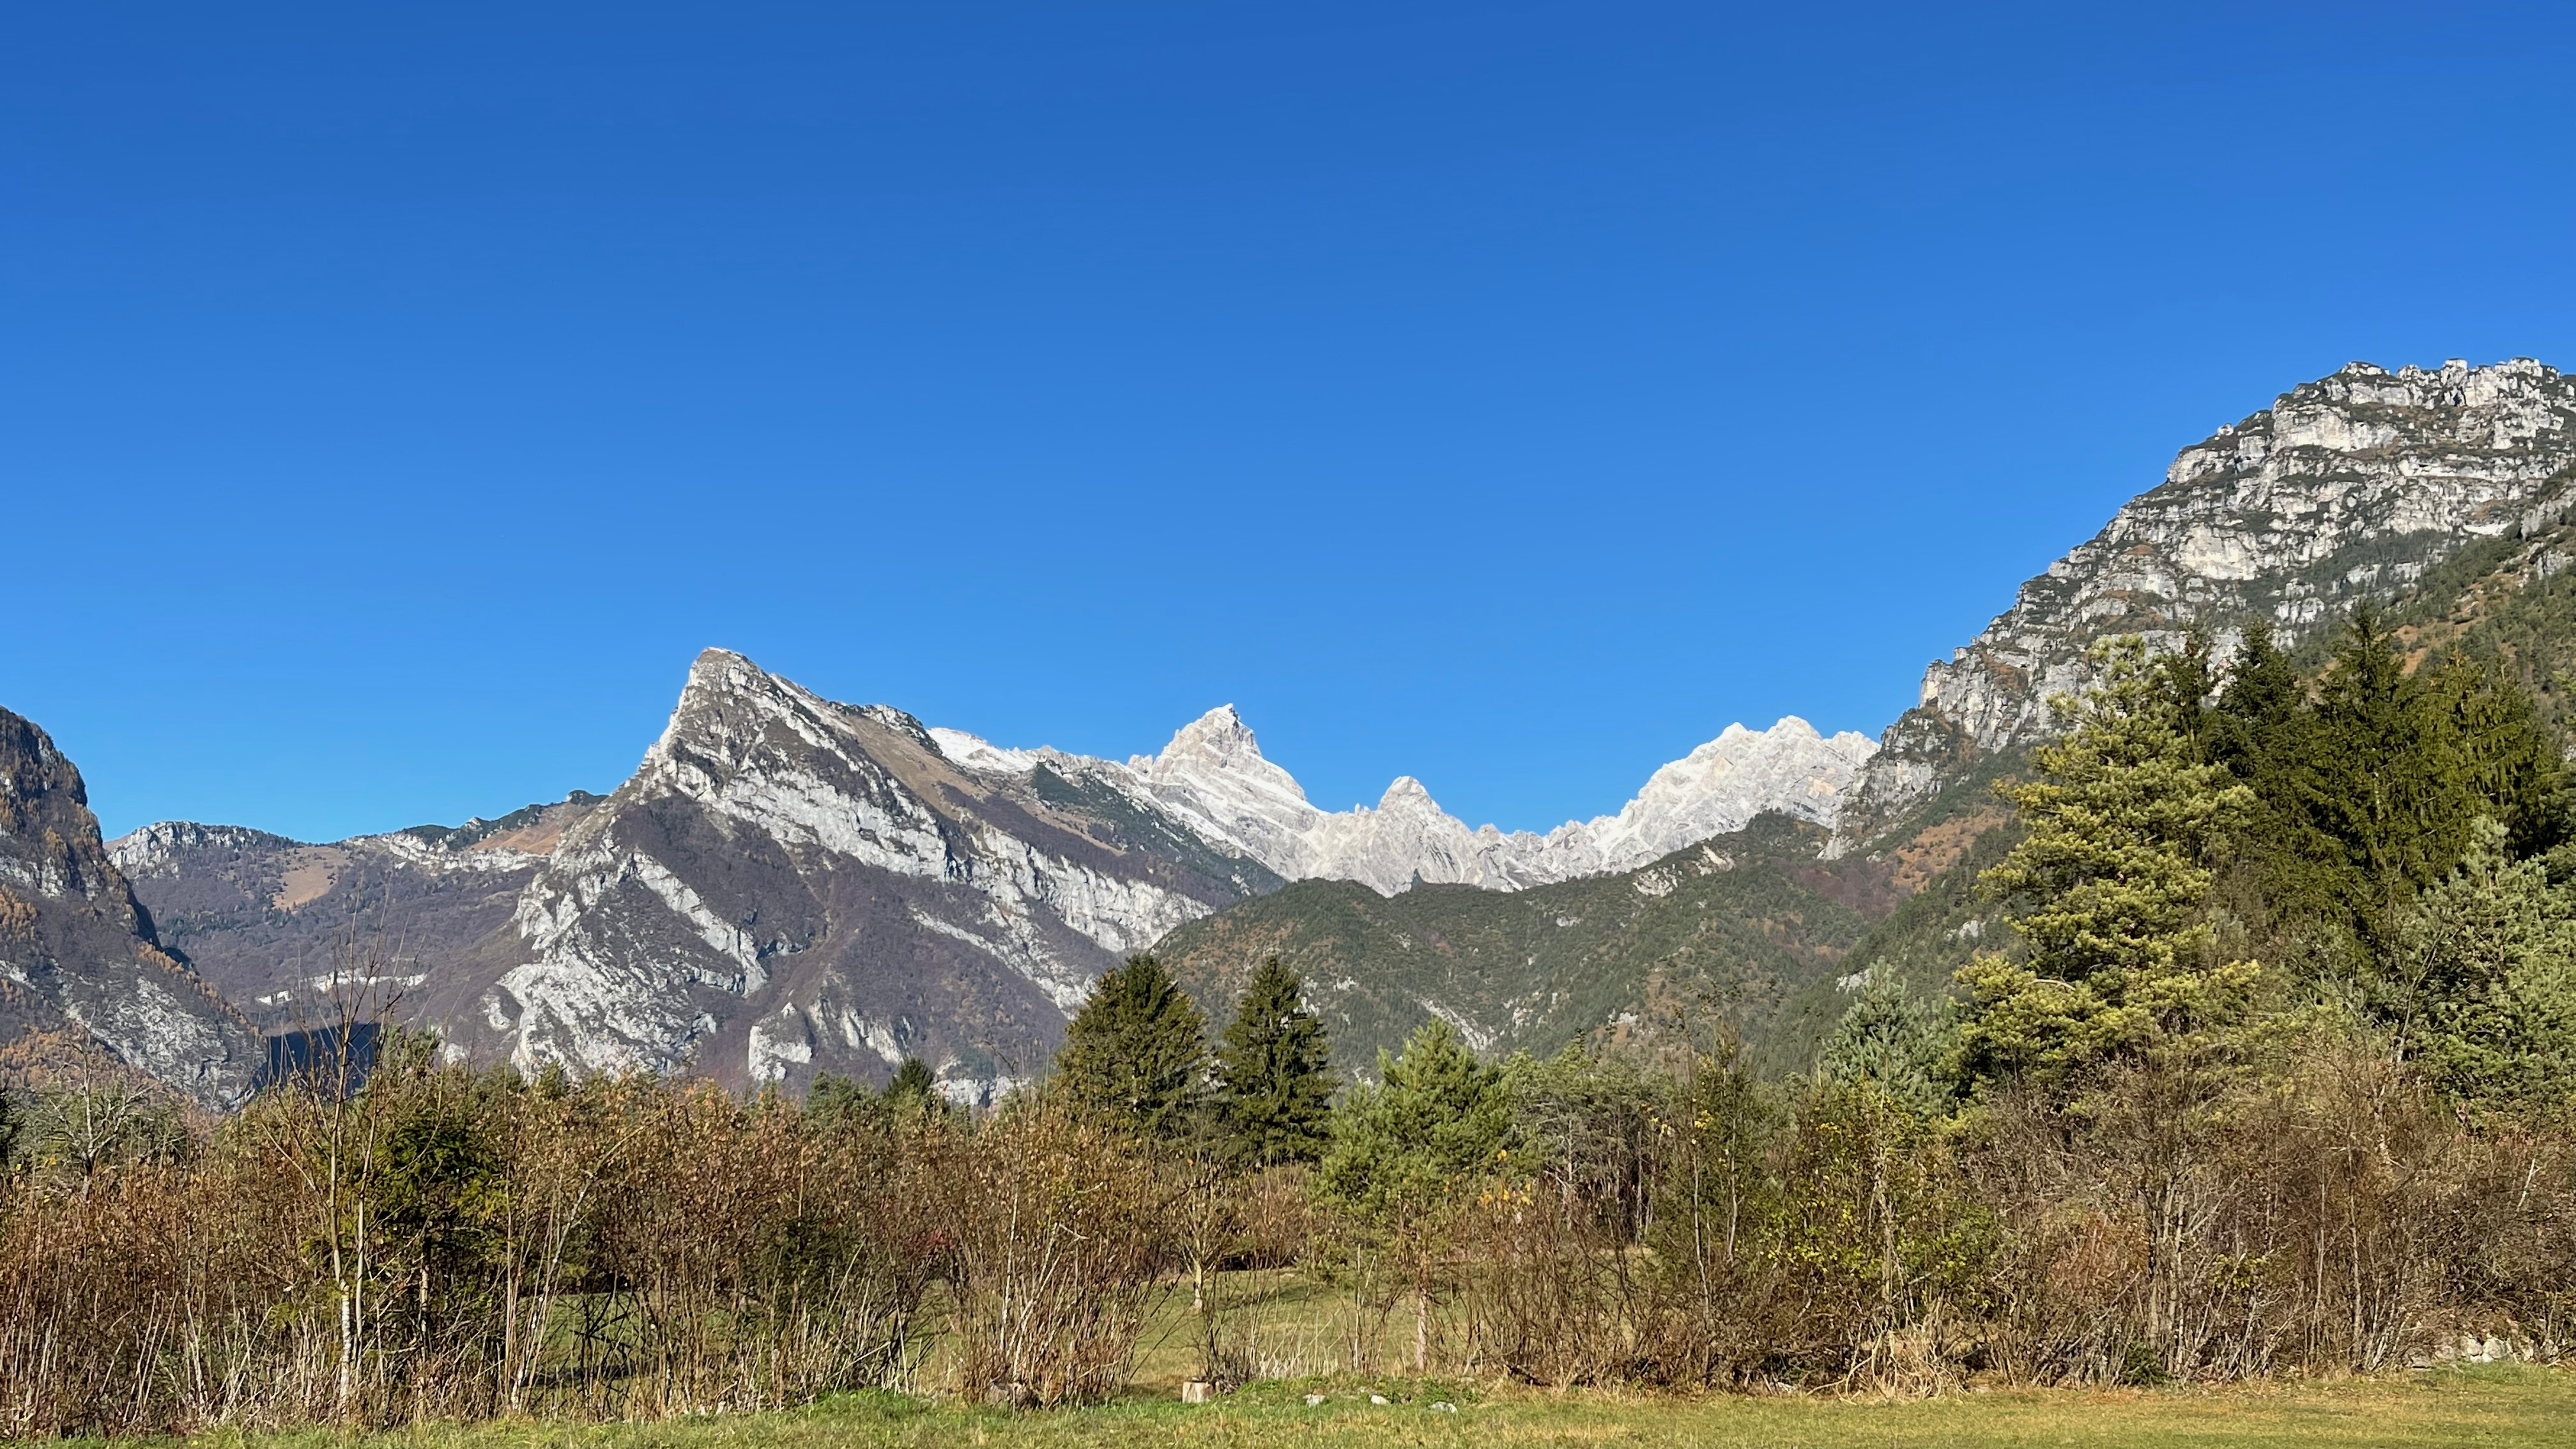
{"x": 1219, "y": 734}
{"x": 788, "y": 885}
{"x": 1213, "y": 776}
{"x": 2346, "y": 489}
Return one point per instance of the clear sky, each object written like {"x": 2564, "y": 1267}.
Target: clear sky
{"x": 394, "y": 398}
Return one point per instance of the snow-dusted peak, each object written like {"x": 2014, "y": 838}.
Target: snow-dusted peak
{"x": 1408, "y": 793}
{"x": 1214, "y": 778}
{"x": 972, "y": 753}
{"x": 1218, "y": 737}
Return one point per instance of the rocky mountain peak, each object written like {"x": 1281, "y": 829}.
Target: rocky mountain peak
{"x": 1218, "y": 734}
{"x": 1218, "y": 746}
{"x": 2346, "y": 489}
{"x": 788, "y": 884}
{"x": 80, "y": 965}
{"x": 1407, "y": 793}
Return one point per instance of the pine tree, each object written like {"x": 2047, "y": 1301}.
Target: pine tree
{"x": 1273, "y": 1092}
{"x": 2114, "y": 871}
{"x": 912, "y": 1082}
{"x": 1439, "y": 1120}
{"x": 2482, "y": 987}
{"x": 1137, "y": 1051}
{"x": 1895, "y": 1040}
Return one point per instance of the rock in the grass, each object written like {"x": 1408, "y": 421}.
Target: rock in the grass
{"x": 1377, "y": 1398}
{"x": 1197, "y": 1391}
{"x": 1313, "y": 1400}
{"x": 1444, "y": 1407}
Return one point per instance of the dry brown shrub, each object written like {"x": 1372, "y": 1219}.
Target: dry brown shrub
{"x": 1066, "y": 1233}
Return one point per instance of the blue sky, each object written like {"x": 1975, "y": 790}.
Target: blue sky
{"x": 394, "y": 398}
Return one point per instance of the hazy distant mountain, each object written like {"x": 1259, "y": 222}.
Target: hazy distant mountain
{"x": 81, "y": 971}
{"x": 1212, "y": 776}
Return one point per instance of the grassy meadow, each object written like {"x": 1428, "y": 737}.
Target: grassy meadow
{"x": 2499, "y": 1406}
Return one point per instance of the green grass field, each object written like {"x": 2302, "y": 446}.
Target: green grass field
{"x": 2505, "y": 1405}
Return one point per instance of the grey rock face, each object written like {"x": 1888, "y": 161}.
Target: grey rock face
{"x": 2344, "y": 490}
{"x": 80, "y": 965}
{"x": 292, "y": 932}
{"x": 790, "y": 885}
{"x": 1213, "y": 778}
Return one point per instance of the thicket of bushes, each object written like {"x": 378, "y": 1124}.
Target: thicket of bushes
{"x": 2273, "y": 1077}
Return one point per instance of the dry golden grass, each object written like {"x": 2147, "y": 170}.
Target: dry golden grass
{"x": 2502, "y": 1406}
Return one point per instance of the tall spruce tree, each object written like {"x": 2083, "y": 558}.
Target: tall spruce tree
{"x": 1893, "y": 1038}
{"x": 1273, "y": 1092}
{"x": 2375, "y": 780}
{"x": 2114, "y": 883}
{"x": 2265, "y": 733}
{"x": 1137, "y": 1051}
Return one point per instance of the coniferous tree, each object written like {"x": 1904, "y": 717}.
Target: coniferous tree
{"x": 1437, "y": 1121}
{"x": 1273, "y": 1091}
{"x": 1137, "y": 1051}
{"x": 836, "y": 1100}
{"x": 2482, "y": 986}
{"x": 1894, "y": 1039}
{"x": 2502, "y": 758}
{"x": 2376, "y": 782}
{"x": 2115, "y": 871}
{"x": 2264, "y": 732}
{"x": 912, "y": 1082}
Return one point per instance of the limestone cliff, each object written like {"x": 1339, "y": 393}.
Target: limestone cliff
{"x": 2345, "y": 490}
{"x": 80, "y": 966}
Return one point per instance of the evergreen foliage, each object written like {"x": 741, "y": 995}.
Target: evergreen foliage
{"x": 1137, "y": 1051}
{"x": 1896, "y": 1041}
{"x": 1438, "y": 1120}
{"x": 2115, "y": 883}
{"x": 2482, "y": 985}
{"x": 1750, "y": 918}
{"x": 1273, "y": 1091}
{"x": 2370, "y": 793}
{"x": 912, "y": 1082}
{"x": 835, "y": 1098}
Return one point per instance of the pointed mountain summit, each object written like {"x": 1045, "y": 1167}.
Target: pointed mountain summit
{"x": 788, "y": 885}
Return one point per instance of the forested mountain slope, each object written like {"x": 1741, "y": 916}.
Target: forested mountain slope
{"x": 2437, "y": 495}
{"x": 1731, "y": 928}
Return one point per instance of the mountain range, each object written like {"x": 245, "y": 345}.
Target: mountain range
{"x": 788, "y": 885}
